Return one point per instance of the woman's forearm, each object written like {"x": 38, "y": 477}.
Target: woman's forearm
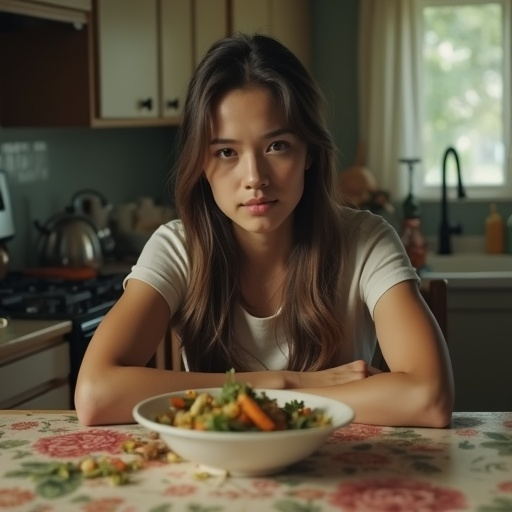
{"x": 108, "y": 396}
{"x": 392, "y": 398}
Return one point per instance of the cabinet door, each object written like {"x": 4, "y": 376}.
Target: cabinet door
{"x": 291, "y": 23}
{"x": 211, "y": 24}
{"x": 250, "y": 17}
{"x": 128, "y": 58}
{"x": 176, "y": 53}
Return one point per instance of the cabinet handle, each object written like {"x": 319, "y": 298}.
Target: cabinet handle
{"x": 146, "y": 104}
{"x": 173, "y": 103}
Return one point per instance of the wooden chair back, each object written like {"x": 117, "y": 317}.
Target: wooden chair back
{"x": 435, "y": 294}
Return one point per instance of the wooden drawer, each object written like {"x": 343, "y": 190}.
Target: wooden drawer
{"x": 33, "y": 371}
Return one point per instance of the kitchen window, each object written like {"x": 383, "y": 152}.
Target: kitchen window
{"x": 465, "y": 78}
{"x": 434, "y": 74}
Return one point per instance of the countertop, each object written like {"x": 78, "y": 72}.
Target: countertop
{"x": 467, "y": 466}
{"x": 22, "y": 337}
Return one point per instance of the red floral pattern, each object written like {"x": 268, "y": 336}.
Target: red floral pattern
{"x": 24, "y": 425}
{"x": 505, "y": 486}
{"x": 11, "y": 497}
{"x": 467, "y": 432}
{"x": 357, "y": 432}
{"x": 104, "y": 505}
{"x": 396, "y": 495}
{"x": 361, "y": 468}
{"x": 265, "y": 484}
{"x": 427, "y": 448}
{"x": 180, "y": 490}
{"x": 82, "y": 443}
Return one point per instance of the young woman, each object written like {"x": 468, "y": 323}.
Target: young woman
{"x": 265, "y": 272}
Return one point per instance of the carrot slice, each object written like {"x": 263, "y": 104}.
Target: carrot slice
{"x": 258, "y": 416}
{"x": 118, "y": 464}
{"x": 178, "y": 402}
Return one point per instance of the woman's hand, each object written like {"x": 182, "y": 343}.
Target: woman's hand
{"x": 357, "y": 370}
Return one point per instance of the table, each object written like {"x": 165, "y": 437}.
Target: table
{"x": 467, "y": 466}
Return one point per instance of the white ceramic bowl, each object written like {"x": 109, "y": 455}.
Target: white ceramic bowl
{"x": 245, "y": 453}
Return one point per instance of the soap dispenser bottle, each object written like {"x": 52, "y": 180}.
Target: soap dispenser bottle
{"x": 494, "y": 232}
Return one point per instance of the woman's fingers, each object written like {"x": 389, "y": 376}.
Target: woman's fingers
{"x": 356, "y": 370}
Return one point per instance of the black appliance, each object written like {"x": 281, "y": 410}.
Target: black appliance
{"x": 84, "y": 302}
{"x": 6, "y": 220}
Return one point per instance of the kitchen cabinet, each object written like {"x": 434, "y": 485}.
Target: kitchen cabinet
{"x": 211, "y": 24}
{"x": 34, "y": 365}
{"x": 57, "y": 10}
{"x": 83, "y": 5}
{"x": 44, "y": 57}
{"x": 122, "y": 63}
{"x": 176, "y": 52}
{"x": 480, "y": 344}
{"x": 286, "y": 20}
{"x": 147, "y": 52}
{"x": 144, "y": 57}
{"x": 127, "y": 48}
{"x": 113, "y": 63}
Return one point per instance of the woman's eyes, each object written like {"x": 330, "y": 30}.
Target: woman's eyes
{"x": 275, "y": 147}
{"x": 278, "y": 145}
{"x": 225, "y": 153}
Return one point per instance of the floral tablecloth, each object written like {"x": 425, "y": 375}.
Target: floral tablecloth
{"x": 361, "y": 468}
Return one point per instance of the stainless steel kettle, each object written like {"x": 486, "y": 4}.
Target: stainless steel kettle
{"x": 69, "y": 240}
{"x": 94, "y": 205}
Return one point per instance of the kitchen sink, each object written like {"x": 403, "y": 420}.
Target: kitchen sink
{"x": 469, "y": 262}
{"x": 470, "y": 270}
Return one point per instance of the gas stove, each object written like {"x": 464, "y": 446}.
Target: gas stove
{"x": 84, "y": 302}
{"x": 28, "y": 297}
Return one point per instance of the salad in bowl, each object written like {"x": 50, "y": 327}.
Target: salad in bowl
{"x": 241, "y": 430}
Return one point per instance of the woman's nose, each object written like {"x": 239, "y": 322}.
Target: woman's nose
{"x": 255, "y": 173}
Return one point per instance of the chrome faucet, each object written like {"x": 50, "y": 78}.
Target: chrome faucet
{"x": 445, "y": 228}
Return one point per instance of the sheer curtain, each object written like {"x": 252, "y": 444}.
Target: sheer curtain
{"x": 389, "y": 90}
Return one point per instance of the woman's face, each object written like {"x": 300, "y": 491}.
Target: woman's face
{"x": 255, "y": 164}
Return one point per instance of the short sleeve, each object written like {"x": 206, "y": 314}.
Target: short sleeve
{"x": 164, "y": 263}
{"x": 385, "y": 263}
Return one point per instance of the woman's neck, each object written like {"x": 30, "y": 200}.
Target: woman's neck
{"x": 263, "y": 270}
{"x": 264, "y": 253}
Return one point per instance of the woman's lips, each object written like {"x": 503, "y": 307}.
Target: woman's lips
{"x": 258, "y": 207}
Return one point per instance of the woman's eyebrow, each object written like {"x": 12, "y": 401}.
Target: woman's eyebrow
{"x": 279, "y": 131}
{"x": 269, "y": 135}
{"x": 218, "y": 140}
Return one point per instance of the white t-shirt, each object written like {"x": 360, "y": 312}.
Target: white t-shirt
{"x": 374, "y": 260}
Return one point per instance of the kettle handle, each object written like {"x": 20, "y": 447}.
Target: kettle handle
{"x": 89, "y": 191}
{"x": 41, "y": 228}
{"x": 47, "y": 228}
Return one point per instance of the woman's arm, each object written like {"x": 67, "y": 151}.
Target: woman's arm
{"x": 113, "y": 377}
{"x": 419, "y": 389}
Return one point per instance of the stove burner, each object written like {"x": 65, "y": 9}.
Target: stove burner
{"x": 85, "y": 303}
{"x": 22, "y": 296}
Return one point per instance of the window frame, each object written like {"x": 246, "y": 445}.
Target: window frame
{"x": 475, "y": 192}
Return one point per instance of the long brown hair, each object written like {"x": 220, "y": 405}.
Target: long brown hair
{"x": 205, "y": 322}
